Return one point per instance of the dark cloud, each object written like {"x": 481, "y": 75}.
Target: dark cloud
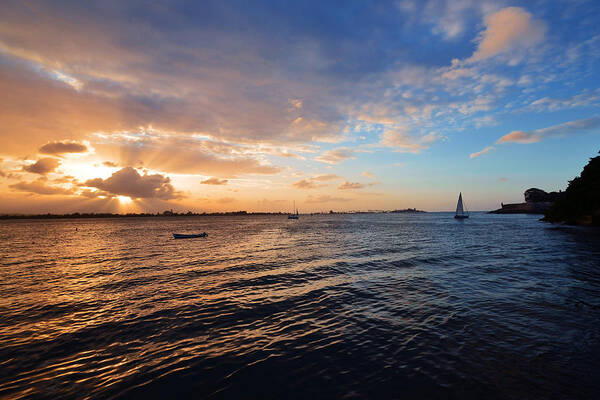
{"x": 128, "y": 182}
{"x": 214, "y": 181}
{"x": 39, "y": 187}
{"x": 110, "y": 164}
{"x": 58, "y": 148}
{"x": 42, "y": 166}
{"x": 124, "y": 96}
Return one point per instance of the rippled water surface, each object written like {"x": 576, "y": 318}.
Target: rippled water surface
{"x": 354, "y": 306}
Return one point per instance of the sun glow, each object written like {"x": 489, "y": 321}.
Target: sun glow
{"x": 84, "y": 170}
{"x": 124, "y": 199}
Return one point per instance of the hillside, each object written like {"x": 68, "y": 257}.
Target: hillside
{"x": 580, "y": 204}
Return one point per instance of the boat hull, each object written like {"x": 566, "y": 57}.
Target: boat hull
{"x": 189, "y": 236}
{"x": 461, "y": 216}
{"x": 292, "y": 217}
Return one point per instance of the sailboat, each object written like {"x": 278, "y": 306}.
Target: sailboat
{"x": 294, "y": 216}
{"x": 460, "y": 212}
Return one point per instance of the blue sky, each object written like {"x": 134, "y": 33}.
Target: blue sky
{"x": 236, "y": 105}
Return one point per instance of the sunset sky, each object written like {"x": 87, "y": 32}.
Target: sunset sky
{"x": 235, "y": 105}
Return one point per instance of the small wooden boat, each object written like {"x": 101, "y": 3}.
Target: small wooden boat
{"x": 189, "y": 235}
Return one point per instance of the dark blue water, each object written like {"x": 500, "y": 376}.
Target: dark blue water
{"x": 341, "y": 306}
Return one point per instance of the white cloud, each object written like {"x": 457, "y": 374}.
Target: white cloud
{"x": 336, "y": 156}
{"x": 585, "y": 99}
{"x": 451, "y": 17}
{"x": 486, "y": 120}
{"x": 402, "y": 141}
{"x": 525, "y": 80}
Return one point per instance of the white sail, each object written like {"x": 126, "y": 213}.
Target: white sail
{"x": 459, "y": 206}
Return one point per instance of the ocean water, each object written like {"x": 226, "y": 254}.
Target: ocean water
{"x": 329, "y": 306}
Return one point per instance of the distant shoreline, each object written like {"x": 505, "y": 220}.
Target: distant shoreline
{"x": 189, "y": 214}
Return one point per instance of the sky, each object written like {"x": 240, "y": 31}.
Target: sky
{"x": 134, "y": 106}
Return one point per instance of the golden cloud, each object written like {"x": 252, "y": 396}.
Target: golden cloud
{"x": 129, "y": 182}
{"x": 508, "y": 29}
{"x": 305, "y": 184}
{"x": 42, "y": 166}
{"x": 351, "y": 185}
{"x": 39, "y": 187}
{"x": 214, "y": 181}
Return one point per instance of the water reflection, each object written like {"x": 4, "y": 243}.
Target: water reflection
{"x": 330, "y": 306}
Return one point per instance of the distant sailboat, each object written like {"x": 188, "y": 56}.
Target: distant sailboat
{"x": 460, "y": 212}
{"x": 294, "y": 216}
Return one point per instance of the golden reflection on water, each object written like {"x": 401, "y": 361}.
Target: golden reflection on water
{"x": 118, "y": 303}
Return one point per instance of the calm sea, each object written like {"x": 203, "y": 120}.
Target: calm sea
{"x": 340, "y": 306}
